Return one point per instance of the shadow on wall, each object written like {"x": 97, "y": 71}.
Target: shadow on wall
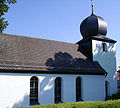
{"x": 99, "y": 49}
{"x": 107, "y": 55}
{"x": 46, "y": 90}
{"x": 61, "y": 59}
{"x": 106, "y": 59}
{"x": 23, "y": 102}
{"x": 66, "y": 60}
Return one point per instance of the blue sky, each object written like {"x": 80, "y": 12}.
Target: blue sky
{"x": 60, "y": 19}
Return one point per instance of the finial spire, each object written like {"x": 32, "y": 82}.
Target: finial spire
{"x": 92, "y": 5}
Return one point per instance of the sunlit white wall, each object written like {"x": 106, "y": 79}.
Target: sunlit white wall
{"x": 107, "y": 60}
{"x": 15, "y": 88}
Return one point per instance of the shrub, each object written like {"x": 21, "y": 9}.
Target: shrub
{"x": 96, "y": 104}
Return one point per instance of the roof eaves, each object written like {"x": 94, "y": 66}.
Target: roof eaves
{"x": 101, "y": 38}
{"x": 48, "y": 70}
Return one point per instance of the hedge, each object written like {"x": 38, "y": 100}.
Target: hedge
{"x": 90, "y": 104}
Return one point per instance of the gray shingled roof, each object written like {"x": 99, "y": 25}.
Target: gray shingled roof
{"x": 18, "y": 53}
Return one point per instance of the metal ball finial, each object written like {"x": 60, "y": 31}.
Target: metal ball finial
{"x": 92, "y": 5}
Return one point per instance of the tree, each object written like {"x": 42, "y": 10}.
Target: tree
{"x": 3, "y": 9}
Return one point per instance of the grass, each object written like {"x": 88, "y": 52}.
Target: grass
{"x": 90, "y": 104}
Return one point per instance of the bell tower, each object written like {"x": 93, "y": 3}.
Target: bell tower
{"x": 97, "y": 47}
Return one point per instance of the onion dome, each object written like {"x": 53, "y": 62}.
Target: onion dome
{"x": 93, "y": 26}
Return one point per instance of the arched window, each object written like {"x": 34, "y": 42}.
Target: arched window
{"x": 58, "y": 90}
{"x": 78, "y": 89}
{"x": 34, "y": 91}
{"x": 107, "y": 88}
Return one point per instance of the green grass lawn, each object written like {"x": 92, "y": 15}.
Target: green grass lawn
{"x": 90, "y": 104}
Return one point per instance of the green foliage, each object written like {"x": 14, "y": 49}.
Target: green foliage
{"x": 96, "y": 104}
{"x": 3, "y": 9}
{"x": 3, "y": 24}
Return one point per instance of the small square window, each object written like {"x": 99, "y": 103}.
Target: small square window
{"x": 104, "y": 47}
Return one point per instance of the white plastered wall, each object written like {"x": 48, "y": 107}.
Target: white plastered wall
{"x": 15, "y": 88}
{"x": 107, "y": 60}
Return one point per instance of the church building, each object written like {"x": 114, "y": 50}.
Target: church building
{"x": 37, "y": 71}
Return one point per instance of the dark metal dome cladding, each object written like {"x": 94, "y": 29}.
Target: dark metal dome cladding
{"x": 93, "y": 26}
